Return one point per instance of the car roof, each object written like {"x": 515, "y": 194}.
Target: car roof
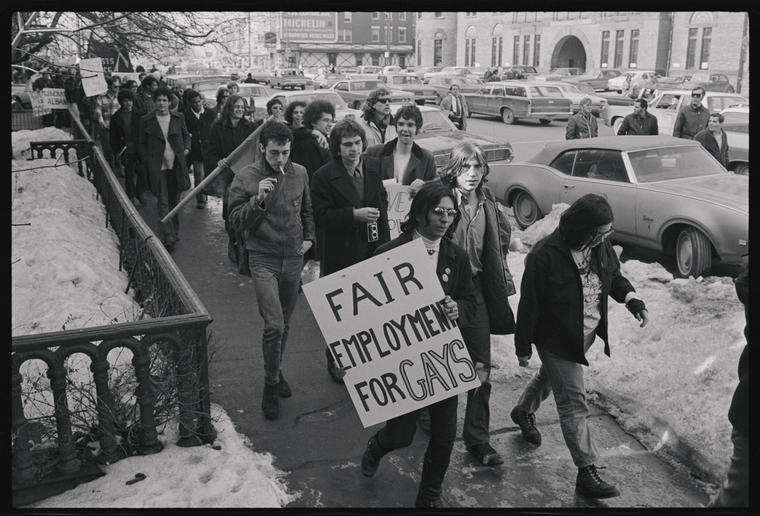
{"x": 627, "y": 144}
{"x": 677, "y": 91}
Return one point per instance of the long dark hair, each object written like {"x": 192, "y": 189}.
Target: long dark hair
{"x": 579, "y": 222}
{"x": 425, "y": 200}
{"x": 226, "y": 113}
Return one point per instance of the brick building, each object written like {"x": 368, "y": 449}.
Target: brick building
{"x": 674, "y": 43}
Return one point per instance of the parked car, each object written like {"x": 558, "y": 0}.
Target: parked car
{"x": 431, "y": 71}
{"x": 439, "y": 135}
{"x": 342, "y": 110}
{"x": 186, "y": 79}
{"x": 421, "y": 71}
{"x": 522, "y": 72}
{"x": 255, "y": 93}
{"x": 513, "y": 100}
{"x": 20, "y": 95}
{"x": 208, "y": 89}
{"x": 571, "y": 92}
{"x": 355, "y": 92}
{"x": 257, "y": 74}
{"x": 311, "y": 72}
{"x": 671, "y": 82}
{"x": 442, "y": 83}
{"x": 557, "y": 74}
{"x": 736, "y": 126}
{"x": 620, "y": 83}
{"x": 666, "y": 105}
{"x": 709, "y": 81}
{"x": 392, "y": 69}
{"x": 327, "y": 79}
{"x": 365, "y": 71}
{"x": 461, "y": 71}
{"x": 410, "y": 83}
{"x": 597, "y": 79}
{"x": 288, "y": 78}
{"x": 668, "y": 194}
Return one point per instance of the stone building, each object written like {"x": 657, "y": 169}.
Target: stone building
{"x": 673, "y": 43}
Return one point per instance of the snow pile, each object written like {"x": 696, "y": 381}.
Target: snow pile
{"x": 545, "y": 226}
{"x": 21, "y": 140}
{"x": 65, "y": 259}
{"x": 225, "y": 474}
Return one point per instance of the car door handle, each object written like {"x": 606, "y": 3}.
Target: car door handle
{"x": 569, "y": 186}
{"x": 648, "y": 219}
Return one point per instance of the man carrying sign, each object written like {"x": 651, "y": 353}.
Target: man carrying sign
{"x": 432, "y": 217}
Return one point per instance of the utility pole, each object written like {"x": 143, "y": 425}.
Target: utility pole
{"x": 387, "y": 39}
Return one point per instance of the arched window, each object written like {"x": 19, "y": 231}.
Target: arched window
{"x": 497, "y": 43}
{"x": 469, "y": 47}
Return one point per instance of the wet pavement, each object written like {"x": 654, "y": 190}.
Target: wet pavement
{"x": 319, "y": 440}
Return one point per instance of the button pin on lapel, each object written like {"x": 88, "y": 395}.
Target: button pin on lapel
{"x": 445, "y": 278}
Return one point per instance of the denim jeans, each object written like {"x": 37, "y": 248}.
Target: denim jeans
{"x": 477, "y": 337}
{"x": 565, "y": 379}
{"x": 399, "y": 433}
{"x": 276, "y": 280}
{"x": 164, "y": 187}
{"x": 198, "y": 176}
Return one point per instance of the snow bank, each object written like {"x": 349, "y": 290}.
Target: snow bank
{"x": 545, "y": 226}
{"x": 21, "y": 140}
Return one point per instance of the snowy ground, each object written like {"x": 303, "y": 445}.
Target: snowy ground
{"x": 675, "y": 376}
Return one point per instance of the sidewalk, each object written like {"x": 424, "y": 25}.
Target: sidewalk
{"x": 318, "y": 438}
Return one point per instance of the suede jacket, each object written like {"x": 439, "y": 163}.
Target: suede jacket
{"x": 287, "y": 223}
{"x": 550, "y": 313}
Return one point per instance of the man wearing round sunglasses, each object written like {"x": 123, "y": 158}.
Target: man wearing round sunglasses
{"x": 693, "y": 117}
{"x": 376, "y": 117}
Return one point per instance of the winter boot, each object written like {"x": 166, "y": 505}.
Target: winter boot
{"x": 527, "y": 423}
{"x": 269, "y": 403}
{"x": 371, "y": 457}
{"x": 283, "y": 389}
{"x": 429, "y": 495}
{"x": 589, "y": 483}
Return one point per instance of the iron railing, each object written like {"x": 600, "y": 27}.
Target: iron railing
{"x": 177, "y": 321}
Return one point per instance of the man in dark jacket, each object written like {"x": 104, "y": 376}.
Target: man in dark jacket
{"x": 164, "y": 143}
{"x": 414, "y": 163}
{"x": 350, "y": 205}
{"x": 226, "y": 134}
{"x": 582, "y": 124}
{"x": 640, "y": 122}
{"x": 199, "y": 121}
{"x": 124, "y": 134}
{"x": 693, "y": 117}
{"x": 714, "y": 139}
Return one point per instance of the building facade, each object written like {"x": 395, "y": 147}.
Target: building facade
{"x": 673, "y": 43}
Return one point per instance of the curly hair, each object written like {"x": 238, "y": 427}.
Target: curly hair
{"x": 427, "y": 198}
{"x": 163, "y": 90}
{"x": 271, "y": 103}
{"x": 368, "y": 109}
{"x": 292, "y": 107}
{"x": 346, "y": 128}
{"x": 460, "y": 156}
{"x": 409, "y": 112}
{"x": 125, "y": 94}
{"x": 313, "y": 112}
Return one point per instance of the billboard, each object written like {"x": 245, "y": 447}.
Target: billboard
{"x": 309, "y": 27}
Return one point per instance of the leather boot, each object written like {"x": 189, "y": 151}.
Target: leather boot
{"x": 269, "y": 402}
{"x": 589, "y": 483}
{"x": 371, "y": 457}
{"x": 429, "y": 494}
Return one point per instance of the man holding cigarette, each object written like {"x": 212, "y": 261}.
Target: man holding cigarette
{"x": 270, "y": 204}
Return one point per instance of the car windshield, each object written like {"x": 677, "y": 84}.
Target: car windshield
{"x": 569, "y": 88}
{"x": 365, "y": 85}
{"x": 732, "y": 118}
{"x": 545, "y": 91}
{"x": 436, "y": 121}
{"x": 406, "y": 79}
{"x": 584, "y": 88}
{"x": 667, "y": 163}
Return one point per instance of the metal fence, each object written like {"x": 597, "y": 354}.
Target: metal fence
{"x": 176, "y": 331}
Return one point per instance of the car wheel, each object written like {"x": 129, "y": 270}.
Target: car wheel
{"x": 419, "y": 102}
{"x": 508, "y": 116}
{"x": 545, "y": 121}
{"x": 730, "y": 90}
{"x": 693, "y": 253}
{"x": 525, "y": 209}
{"x": 357, "y": 105}
{"x": 303, "y": 87}
{"x": 741, "y": 169}
{"x": 616, "y": 124}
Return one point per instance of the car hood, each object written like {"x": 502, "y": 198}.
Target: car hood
{"x": 436, "y": 141}
{"x": 729, "y": 190}
{"x": 415, "y": 87}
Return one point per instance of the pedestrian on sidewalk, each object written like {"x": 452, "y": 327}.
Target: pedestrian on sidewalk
{"x": 199, "y": 121}
{"x": 164, "y": 143}
{"x": 270, "y": 204}
{"x": 640, "y": 122}
{"x": 124, "y": 132}
{"x": 227, "y": 133}
{"x": 563, "y": 307}
{"x": 433, "y": 217}
{"x": 583, "y": 123}
{"x": 714, "y": 139}
{"x": 350, "y": 206}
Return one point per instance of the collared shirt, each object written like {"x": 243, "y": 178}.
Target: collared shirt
{"x": 106, "y": 105}
{"x": 357, "y": 178}
{"x": 718, "y": 138}
{"x": 199, "y": 113}
{"x": 471, "y": 230}
{"x": 454, "y": 105}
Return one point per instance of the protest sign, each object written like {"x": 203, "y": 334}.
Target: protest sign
{"x": 398, "y": 205}
{"x": 37, "y": 99}
{"x": 383, "y": 320}
{"x": 93, "y": 80}
{"x": 55, "y": 98}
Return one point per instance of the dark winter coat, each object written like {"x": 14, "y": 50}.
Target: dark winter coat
{"x": 117, "y": 134}
{"x": 453, "y": 272}
{"x": 334, "y": 198}
{"x": 706, "y": 138}
{"x": 224, "y": 138}
{"x": 580, "y": 126}
{"x": 152, "y": 145}
{"x": 421, "y": 162}
{"x": 738, "y": 413}
{"x": 307, "y": 152}
{"x": 199, "y": 129}
{"x": 636, "y": 125}
{"x": 690, "y": 121}
{"x": 550, "y": 313}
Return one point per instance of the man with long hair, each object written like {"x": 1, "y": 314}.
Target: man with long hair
{"x": 376, "y": 117}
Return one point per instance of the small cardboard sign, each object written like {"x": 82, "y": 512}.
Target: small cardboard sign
{"x": 399, "y": 204}
{"x": 383, "y": 320}
{"x": 93, "y": 80}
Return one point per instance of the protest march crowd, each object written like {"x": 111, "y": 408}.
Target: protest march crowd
{"x": 298, "y": 186}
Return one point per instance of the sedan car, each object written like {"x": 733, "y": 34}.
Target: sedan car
{"x": 355, "y": 92}
{"x": 208, "y": 88}
{"x": 255, "y": 93}
{"x": 410, "y": 83}
{"x": 736, "y": 126}
{"x": 20, "y": 95}
{"x": 668, "y": 194}
{"x": 513, "y": 100}
{"x": 709, "y": 81}
{"x": 327, "y": 79}
{"x": 423, "y": 71}
{"x": 570, "y": 91}
{"x": 621, "y": 82}
{"x": 442, "y": 83}
{"x": 286, "y": 97}
{"x": 439, "y": 135}
{"x": 518, "y": 72}
{"x": 597, "y": 79}
{"x": 557, "y": 74}
{"x": 258, "y": 75}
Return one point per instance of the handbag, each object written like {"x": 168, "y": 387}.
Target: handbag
{"x": 244, "y": 267}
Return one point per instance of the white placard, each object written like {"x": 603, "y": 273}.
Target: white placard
{"x": 93, "y": 80}
{"x": 55, "y": 98}
{"x": 383, "y": 320}
{"x": 399, "y": 204}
